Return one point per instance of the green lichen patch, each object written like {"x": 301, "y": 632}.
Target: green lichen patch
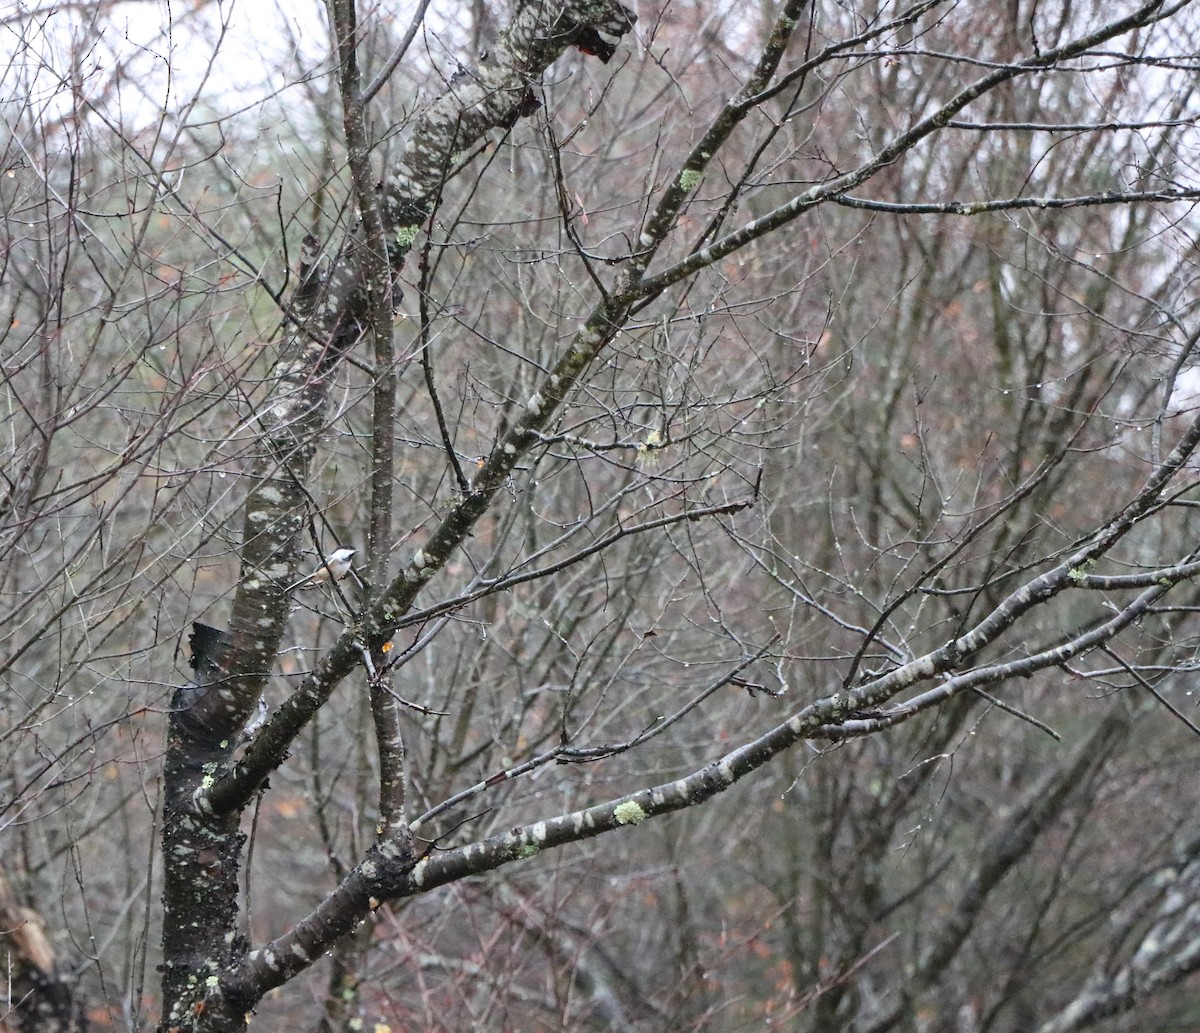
{"x": 629, "y": 813}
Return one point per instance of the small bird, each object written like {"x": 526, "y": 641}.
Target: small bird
{"x": 336, "y": 566}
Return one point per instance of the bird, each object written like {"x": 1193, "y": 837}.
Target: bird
{"x": 335, "y": 567}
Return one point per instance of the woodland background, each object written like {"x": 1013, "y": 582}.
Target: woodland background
{"x": 892, "y": 416}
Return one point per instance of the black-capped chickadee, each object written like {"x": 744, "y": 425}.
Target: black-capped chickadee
{"x": 336, "y": 566}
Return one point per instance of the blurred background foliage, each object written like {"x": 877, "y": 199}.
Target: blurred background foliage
{"x": 928, "y": 407}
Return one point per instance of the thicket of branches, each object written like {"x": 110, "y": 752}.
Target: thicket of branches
{"x": 768, "y": 438}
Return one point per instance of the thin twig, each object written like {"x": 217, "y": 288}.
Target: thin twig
{"x": 1150, "y": 689}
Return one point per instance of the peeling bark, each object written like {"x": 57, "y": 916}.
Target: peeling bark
{"x": 39, "y": 997}
{"x": 206, "y": 984}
